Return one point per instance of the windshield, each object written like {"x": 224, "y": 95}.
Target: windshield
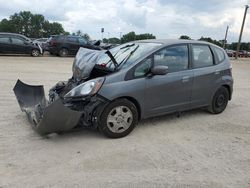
{"x": 126, "y": 54}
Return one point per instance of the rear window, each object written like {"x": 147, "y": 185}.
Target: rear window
{"x": 219, "y": 53}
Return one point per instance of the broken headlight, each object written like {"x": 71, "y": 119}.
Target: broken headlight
{"x": 90, "y": 87}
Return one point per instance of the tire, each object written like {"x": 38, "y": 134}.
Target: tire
{"x": 220, "y": 101}
{"x": 118, "y": 118}
{"x": 35, "y": 52}
{"x": 64, "y": 52}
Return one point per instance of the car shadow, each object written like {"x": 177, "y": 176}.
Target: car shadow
{"x": 88, "y": 133}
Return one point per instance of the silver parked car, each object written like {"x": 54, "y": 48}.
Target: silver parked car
{"x": 113, "y": 90}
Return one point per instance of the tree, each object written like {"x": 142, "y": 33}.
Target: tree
{"x": 208, "y": 39}
{"x": 6, "y": 26}
{"x": 86, "y": 36}
{"x": 185, "y": 37}
{"x": 31, "y": 25}
{"x": 131, "y": 36}
{"x": 54, "y": 28}
{"x": 78, "y": 33}
{"x": 81, "y": 34}
{"x": 112, "y": 40}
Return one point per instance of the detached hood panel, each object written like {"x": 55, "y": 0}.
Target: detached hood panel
{"x": 84, "y": 62}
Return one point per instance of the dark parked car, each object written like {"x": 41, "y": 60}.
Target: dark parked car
{"x": 68, "y": 45}
{"x": 113, "y": 90}
{"x": 11, "y": 43}
{"x": 230, "y": 53}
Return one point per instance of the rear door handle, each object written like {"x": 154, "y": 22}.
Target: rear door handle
{"x": 185, "y": 79}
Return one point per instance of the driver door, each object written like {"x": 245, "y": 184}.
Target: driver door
{"x": 170, "y": 92}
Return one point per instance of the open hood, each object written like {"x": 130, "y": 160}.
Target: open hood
{"x": 84, "y": 62}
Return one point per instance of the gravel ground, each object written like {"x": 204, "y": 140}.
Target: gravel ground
{"x": 196, "y": 150}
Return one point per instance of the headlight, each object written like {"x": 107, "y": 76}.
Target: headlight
{"x": 87, "y": 88}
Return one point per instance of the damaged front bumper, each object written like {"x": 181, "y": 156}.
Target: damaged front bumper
{"x": 57, "y": 116}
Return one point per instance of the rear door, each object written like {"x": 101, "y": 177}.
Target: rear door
{"x": 73, "y": 44}
{"x": 170, "y": 92}
{"x": 19, "y": 46}
{"x": 5, "y": 45}
{"x": 205, "y": 75}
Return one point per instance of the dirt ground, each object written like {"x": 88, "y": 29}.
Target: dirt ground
{"x": 196, "y": 150}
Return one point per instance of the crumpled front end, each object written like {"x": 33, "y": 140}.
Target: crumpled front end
{"x": 46, "y": 117}
{"x": 63, "y": 112}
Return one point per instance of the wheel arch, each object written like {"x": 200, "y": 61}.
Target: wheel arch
{"x": 134, "y": 101}
{"x": 229, "y": 90}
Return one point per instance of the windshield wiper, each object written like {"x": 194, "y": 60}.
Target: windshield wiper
{"x": 125, "y": 59}
{"x": 112, "y": 58}
{"x": 129, "y": 45}
{"x": 129, "y": 55}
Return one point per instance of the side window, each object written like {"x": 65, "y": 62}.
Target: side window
{"x": 220, "y": 54}
{"x": 175, "y": 57}
{"x": 5, "y": 40}
{"x": 72, "y": 39}
{"x": 82, "y": 41}
{"x": 143, "y": 68}
{"x": 17, "y": 41}
{"x": 202, "y": 56}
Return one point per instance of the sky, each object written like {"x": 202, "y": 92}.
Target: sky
{"x": 163, "y": 18}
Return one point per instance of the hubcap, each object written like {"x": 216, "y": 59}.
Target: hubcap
{"x": 35, "y": 53}
{"x": 220, "y": 100}
{"x": 119, "y": 119}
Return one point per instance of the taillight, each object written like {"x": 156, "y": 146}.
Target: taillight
{"x": 52, "y": 43}
{"x": 230, "y": 68}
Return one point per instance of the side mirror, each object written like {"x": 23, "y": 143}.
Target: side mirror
{"x": 159, "y": 70}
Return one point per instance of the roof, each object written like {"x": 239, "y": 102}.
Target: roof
{"x": 173, "y": 41}
{"x": 15, "y": 34}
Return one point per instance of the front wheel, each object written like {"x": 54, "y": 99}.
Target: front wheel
{"x": 220, "y": 101}
{"x": 35, "y": 53}
{"x": 118, "y": 119}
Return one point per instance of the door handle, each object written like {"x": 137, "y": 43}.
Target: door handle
{"x": 185, "y": 79}
{"x": 217, "y": 72}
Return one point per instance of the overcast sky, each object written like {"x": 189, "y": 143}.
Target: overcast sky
{"x": 163, "y": 18}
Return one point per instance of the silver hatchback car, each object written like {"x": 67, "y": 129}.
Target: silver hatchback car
{"x": 112, "y": 90}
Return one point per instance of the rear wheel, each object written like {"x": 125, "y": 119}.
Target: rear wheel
{"x": 118, "y": 119}
{"x": 220, "y": 101}
{"x": 63, "y": 52}
{"x": 35, "y": 53}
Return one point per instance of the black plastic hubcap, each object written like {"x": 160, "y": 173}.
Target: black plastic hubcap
{"x": 221, "y": 99}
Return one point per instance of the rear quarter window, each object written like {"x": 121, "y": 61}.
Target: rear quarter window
{"x": 219, "y": 53}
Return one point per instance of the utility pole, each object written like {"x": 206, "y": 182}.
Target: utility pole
{"x": 102, "y": 31}
{"x": 225, "y": 40}
{"x": 241, "y": 31}
{"x": 120, "y": 37}
{"x": 108, "y": 37}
